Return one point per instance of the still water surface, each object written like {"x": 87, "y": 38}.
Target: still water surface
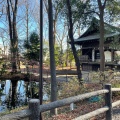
{"x": 5, "y": 94}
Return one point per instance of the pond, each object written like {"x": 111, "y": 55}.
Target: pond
{"x": 22, "y": 94}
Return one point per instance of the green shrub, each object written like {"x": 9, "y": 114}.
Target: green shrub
{"x": 71, "y": 88}
{"x": 116, "y": 84}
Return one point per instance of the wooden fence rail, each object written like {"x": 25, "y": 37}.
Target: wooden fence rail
{"x": 35, "y": 108}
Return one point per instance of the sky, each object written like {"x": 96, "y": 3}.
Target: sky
{"x": 21, "y": 22}
{"x": 33, "y": 21}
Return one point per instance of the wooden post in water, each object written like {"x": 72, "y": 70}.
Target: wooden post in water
{"x": 34, "y": 107}
{"x": 108, "y": 102}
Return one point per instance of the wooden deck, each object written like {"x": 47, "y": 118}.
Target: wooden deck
{"x": 89, "y": 65}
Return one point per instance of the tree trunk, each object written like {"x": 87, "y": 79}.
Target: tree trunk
{"x": 101, "y": 42}
{"x": 52, "y": 58}
{"x": 27, "y": 31}
{"x": 72, "y": 41}
{"x": 54, "y": 26}
{"x": 41, "y": 57}
{"x": 13, "y": 33}
{"x": 13, "y": 96}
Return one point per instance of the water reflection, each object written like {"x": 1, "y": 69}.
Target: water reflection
{"x": 4, "y": 94}
{"x": 18, "y": 94}
{"x": 12, "y": 95}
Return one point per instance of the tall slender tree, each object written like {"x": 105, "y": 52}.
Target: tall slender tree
{"x": 52, "y": 58}
{"x": 41, "y": 57}
{"x": 11, "y": 14}
{"x": 101, "y": 43}
{"x": 106, "y": 11}
{"x": 70, "y": 32}
{"x": 56, "y": 11}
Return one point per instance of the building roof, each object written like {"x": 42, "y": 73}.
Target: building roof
{"x": 92, "y": 33}
{"x": 95, "y": 37}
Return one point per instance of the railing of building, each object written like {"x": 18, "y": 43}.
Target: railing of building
{"x": 34, "y": 108}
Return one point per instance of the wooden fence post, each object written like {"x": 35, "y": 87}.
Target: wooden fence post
{"x": 108, "y": 101}
{"x": 34, "y": 107}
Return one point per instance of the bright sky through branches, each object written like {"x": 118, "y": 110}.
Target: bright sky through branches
{"x": 84, "y": 1}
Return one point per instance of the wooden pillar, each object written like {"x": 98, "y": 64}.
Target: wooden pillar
{"x": 93, "y": 54}
{"x": 108, "y": 102}
{"x": 112, "y": 55}
{"x": 34, "y": 107}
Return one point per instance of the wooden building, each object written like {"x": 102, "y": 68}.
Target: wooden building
{"x": 89, "y": 45}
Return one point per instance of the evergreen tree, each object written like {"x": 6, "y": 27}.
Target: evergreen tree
{"x": 32, "y": 46}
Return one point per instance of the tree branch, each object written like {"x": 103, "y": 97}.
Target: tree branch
{"x": 104, "y": 4}
{"x": 11, "y": 5}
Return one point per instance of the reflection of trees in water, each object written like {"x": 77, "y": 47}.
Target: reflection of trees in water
{"x": 14, "y": 98}
{"x": 26, "y": 91}
{"x": 1, "y": 91}
{"x": 13, "y": 95}
{"x": 17, "y": 93}
{"x": 8, "y": 99}
{"x": 32, "y": 90}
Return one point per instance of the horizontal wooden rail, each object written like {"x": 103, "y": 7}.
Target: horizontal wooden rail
{"x": 69, "y": 100}
{"x": 116, "y": 103}
{"x": 34, "y": 106}
{"x": 115, "y": 89}
{"x": 93, "y": 113}
{"x": 52, "y": 105}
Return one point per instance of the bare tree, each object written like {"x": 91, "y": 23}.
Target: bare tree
{"x": 52, "y": 58}
{"x": 56, "y": 11}
{"x": 11, "y": 14}
{"x": 1, "y": 7}
{"x": 60, "y": 40}
{"x": 70, "y": 33}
